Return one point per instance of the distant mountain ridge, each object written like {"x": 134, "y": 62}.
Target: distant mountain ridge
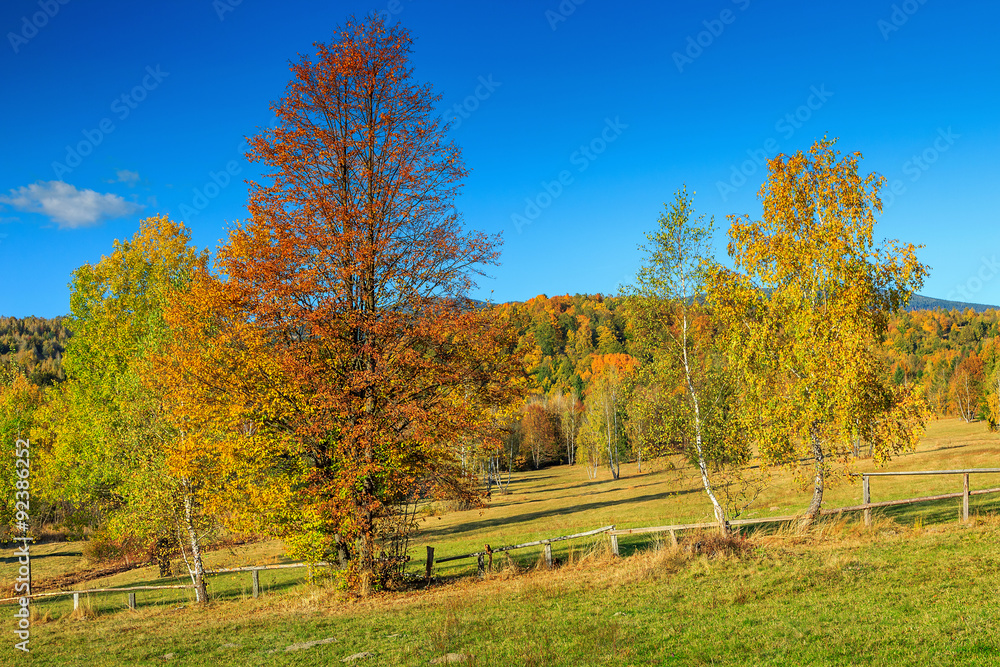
{"x": 920, "y": 302}
{"x": 917, "y": 302}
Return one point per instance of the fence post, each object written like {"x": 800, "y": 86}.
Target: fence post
{"x": 482, "y": 567}
{"x": 430, "y": 562}
{"x": 255, "y": 577}
{"x": 76, "y": 601}
{"x": 614, "y": 541}
{"x": 548, "y": 555}
{"x": 866, "y": 497}
{"x": 965, "y": 499}
{"x": 673, "y": 538}
{"x": 131, "y": 600}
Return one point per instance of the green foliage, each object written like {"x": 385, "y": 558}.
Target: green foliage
{"x": 103, "y": 428}
{"x": 561, "y": 335}
{"x": 19, "y": 400}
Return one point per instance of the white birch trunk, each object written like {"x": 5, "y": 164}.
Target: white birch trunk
{"x": 197, "y": 566}
{"x": 720, "y": 513}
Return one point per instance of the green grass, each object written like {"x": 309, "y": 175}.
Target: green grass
{"x": 562, "y": 500}
{"x": 917, "y": 588}
{"x": 886, "y": 595}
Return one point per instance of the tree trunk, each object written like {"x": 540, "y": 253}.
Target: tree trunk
{"x": 197, "y": 567}
{"x": 568, "y": 425}
{"x": 612, "y": 459}
{"x": 817, "y": 500}
{"x": 611, "y": 422}
{"x": 720, "y": 513}
{"x": 342, "y": 554}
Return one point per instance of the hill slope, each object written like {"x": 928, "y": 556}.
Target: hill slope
{"x": 920, "y": 302}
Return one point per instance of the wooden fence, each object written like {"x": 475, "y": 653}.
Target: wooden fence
{"x": 613, "y": 533}
{"x": 488, "y": 552}
{"x": 254, "y": 571}
{"x": 867, "y": 505}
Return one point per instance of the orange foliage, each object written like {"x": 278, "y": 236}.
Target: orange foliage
{"x": 353, "y": 271}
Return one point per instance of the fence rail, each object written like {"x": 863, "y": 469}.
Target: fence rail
{"x": 965, "y": 494}
{"x": 962, "y": 471}
{"x": 254, "y": 571}
{"x": 613, "y": 533}
{"x": 867, "y": 506}
{"x": 489, "y": 551}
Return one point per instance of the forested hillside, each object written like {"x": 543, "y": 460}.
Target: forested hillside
{"x": 35, "y": 346}
{"x": 953, "y": 356}
{"x": 563, "y": 335}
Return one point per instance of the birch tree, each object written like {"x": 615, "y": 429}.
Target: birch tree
{"x": 592, "y": 436}
{"x": 806, "y": 310}
{"x": 569, "y": 408}
{"x": 106, "y": 431}
{"x": 609, "y": 375}
{"x": 966, "y": 387}
{"x": 671, "y": 337}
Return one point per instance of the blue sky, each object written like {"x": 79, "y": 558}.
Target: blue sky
{"x": 114, "y": 111}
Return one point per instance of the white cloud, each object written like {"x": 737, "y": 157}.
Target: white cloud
{"x": 67, "y": 206}
{"x": 126, "y": 176}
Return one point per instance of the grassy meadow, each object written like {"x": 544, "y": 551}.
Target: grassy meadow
{"x": 917, "y": 587}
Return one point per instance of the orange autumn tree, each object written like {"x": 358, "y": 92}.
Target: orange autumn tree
{"x": 355, "y": 269}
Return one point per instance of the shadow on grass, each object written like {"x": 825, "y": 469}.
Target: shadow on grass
{"x": 470, "y": 526}
{"x": 570, "y": 493}
{"x": 621, "y": 485}
{"x": 942, "y": 511}
{"x": 10, "y": 560}
{"x": 932, "y": 512}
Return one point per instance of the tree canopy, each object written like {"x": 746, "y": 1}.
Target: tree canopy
{"x": 808, "y": 307}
